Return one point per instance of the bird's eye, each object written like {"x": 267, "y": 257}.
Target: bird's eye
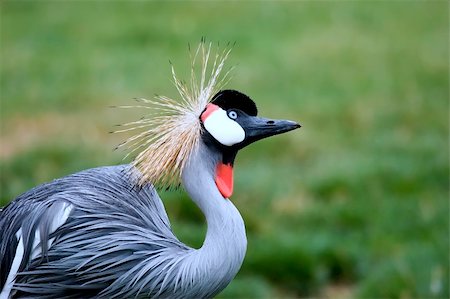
{"x": 232, "y": 114}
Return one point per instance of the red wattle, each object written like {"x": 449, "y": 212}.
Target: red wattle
{"x": 224, "y": 179}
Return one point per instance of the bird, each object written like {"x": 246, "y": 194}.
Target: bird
{"x": 104, "y": 232}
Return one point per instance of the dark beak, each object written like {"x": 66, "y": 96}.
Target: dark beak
{"x": 257, "y": 128}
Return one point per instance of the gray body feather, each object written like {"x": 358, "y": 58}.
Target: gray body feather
{"x": 116, "y": 241}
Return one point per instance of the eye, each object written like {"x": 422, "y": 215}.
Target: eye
{"x": 232, "y": 114}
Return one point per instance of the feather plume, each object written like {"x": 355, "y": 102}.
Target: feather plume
{"x": 171, "y": 132}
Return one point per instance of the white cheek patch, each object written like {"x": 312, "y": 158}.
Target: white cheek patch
{"x": 223, "y": 129}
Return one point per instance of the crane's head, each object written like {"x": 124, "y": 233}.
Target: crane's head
{"x": 230, "y": 123}
{"x": 225, "y": 121}
{"x": 231, "y": 120}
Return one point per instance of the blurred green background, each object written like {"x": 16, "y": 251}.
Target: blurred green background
{"x": 354, "y": 204}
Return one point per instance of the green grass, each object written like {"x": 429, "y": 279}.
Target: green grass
{"x": 354, "y": 204}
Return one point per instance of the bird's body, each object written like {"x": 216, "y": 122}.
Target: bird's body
{"x": 119, "y": 240}
{"x": 104, "y": 232}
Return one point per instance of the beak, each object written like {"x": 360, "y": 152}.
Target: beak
{"x": 257, "y": 128}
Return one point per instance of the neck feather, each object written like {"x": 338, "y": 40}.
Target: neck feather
{"x": 223, "y": 250}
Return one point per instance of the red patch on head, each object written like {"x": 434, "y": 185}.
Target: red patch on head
{"x": 224, "y": 179}
{"x": 210, "y": 108}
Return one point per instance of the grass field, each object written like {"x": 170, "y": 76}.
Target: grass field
{"x": 355, "y": 204}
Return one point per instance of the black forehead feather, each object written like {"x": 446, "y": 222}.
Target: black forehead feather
{"x": 227, "y": 99}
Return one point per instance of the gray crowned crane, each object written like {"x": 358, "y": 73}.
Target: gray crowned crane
{"x": 104, "y": 232}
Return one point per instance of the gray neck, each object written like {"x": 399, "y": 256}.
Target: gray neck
{"x": 223, "y": 250}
